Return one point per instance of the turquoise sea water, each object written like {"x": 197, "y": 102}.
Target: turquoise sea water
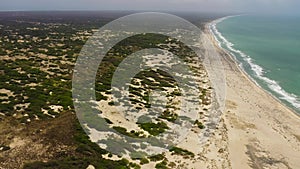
{"x": 268, "y": 49}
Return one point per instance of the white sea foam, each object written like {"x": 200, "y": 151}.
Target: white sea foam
{"x": 258, "y": 70}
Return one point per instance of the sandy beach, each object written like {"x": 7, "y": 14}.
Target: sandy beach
{"x": 255, "y": 131}
{"x": 39, "y": 127}
{"x": 262, "y": 132}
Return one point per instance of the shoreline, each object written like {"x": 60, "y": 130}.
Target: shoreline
{"x": 236, "y": 62}
{"x": 262, "y": 131}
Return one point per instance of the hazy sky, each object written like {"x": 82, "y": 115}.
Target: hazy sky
{"x": 267, "y": 6}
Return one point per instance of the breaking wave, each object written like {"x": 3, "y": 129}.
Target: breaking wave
{"x": 257, "y": 70}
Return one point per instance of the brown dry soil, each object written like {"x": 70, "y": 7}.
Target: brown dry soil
{"x": 52, "y": 143}
{"x": 40, "y": 140}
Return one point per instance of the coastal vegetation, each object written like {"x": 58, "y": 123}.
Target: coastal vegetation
{"x": 154, "y": 128}
{"x": 199, "y": 124}
{"x": 37, "y": 57}
{"x": 182, "y": 152}
{"x": 132, "y": 133}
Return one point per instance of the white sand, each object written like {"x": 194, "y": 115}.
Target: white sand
{"x": 262, "y": 132}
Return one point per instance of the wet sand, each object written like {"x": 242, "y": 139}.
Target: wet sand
{"x": 262, "y": 132}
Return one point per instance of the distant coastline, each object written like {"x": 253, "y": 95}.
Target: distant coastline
{"x": 212, "y": 28}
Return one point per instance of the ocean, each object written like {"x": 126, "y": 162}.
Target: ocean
{"x": 267, "y": 49}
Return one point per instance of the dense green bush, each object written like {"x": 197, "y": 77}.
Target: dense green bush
{"x": 157, "y": 157}
{"x": 180, "y": 151}
{"x": 154, "y": 128}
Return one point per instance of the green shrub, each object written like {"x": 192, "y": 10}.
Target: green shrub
{"x": 157, "y": 157}
{"x": 132, "y": 133}
{"x": 172, "y": 117}
{"x": 199, "y": 124}
{"x": 180, "y": 151}
{"x": 162, "y": 165}
{"x": 144, "y": 161}
{"x": 154, "y": 128}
